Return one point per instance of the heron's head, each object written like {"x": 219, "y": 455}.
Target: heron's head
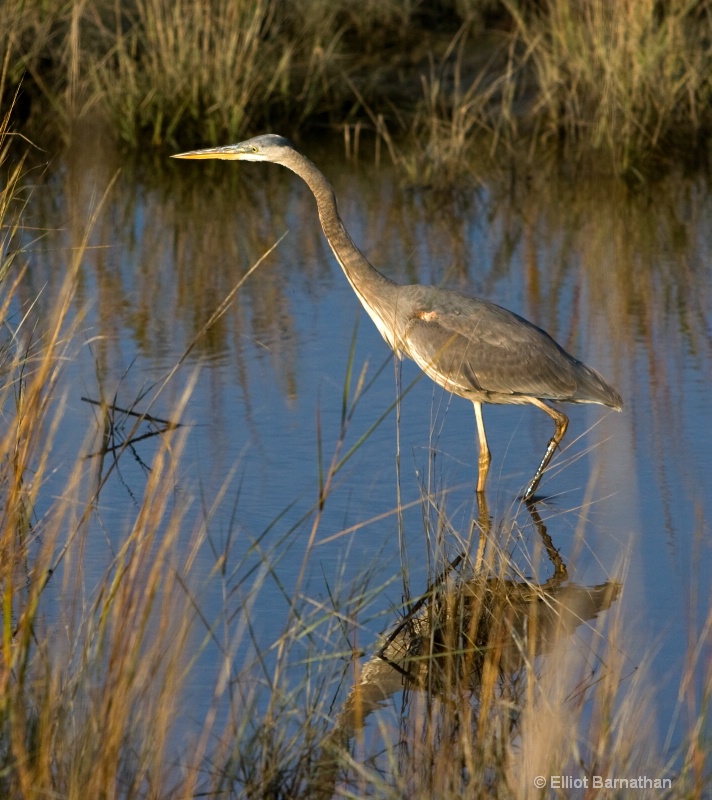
{"x": 268, "y": 147}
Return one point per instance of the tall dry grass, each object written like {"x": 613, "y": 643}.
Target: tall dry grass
{"x": 90, "y": 682}
{"x": 624, "y": 85}
{"x": 218, "y": 67}
{"x": 174, "y": 71}
{"x": 622, "y": 88}
{"x": 622, "y": 79}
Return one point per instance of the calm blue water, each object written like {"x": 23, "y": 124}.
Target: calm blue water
{"x": 621, "y": 281}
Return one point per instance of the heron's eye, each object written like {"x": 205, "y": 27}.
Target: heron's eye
{"x": 254, "y": 148}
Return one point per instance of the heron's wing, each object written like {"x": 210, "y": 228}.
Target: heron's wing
{"x": 489, "y": 350}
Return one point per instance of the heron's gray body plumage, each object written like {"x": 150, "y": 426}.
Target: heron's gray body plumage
{"x": 486, "y": 353}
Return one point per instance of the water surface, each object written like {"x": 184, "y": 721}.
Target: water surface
{"x": 620, "y": 278}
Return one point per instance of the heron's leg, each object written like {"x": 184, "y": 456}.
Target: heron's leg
{"x": 485, "y": 456}
{"x": 562, "y": 423}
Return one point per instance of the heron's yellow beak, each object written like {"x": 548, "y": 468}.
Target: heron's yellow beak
{"x": 228, "y": 153}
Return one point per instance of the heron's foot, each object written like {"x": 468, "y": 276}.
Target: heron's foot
{"x": 532, "y": 487}
{"x": 531, "y": 501}
{"x": 529, "y": 496}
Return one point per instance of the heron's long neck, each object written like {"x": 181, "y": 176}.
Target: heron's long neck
{"x": 376, "y": 292}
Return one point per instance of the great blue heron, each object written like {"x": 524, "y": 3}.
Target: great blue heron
{"x": 471, "y": 347}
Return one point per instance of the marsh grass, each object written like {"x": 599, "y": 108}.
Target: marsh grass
{"x": 622, "y": 79}
{"x": 86, "y": 699}
{"x": 210, "y": 67}
{"x": 622, "y": 86}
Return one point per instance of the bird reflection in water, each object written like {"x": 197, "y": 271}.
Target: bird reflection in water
{"x": 463, "y": 638}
